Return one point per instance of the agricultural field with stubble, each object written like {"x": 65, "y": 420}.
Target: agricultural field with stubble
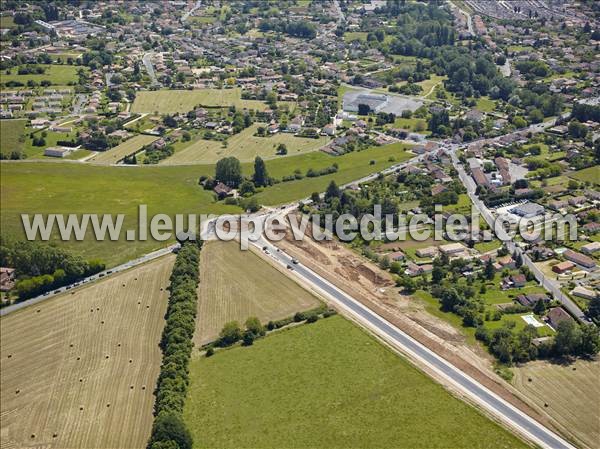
{"x": 235, "y": 285}
{"x": 328, "y": 385}
{"x": 572, "y": 392}
{"x": 172, "y": 101}
{"x": 127, "y": 148}
{"x": 79, "y": 370}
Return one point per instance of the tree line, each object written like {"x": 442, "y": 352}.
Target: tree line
{"x": 41, "y": 267}
{"x": 169, "y": 430}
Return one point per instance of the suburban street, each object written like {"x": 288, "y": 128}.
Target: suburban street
{"x": 543, "y": 280}
{"x": 485, "y": 398}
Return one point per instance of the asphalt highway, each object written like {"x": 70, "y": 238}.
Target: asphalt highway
{"x": 494, "y": 404}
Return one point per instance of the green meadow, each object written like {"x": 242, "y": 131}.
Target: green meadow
{"x": 327, "y": 385}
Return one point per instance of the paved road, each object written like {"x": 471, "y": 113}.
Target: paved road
{"x": 543, "y": 280}
{"x": 132, "y": 263}
{"x": 467, "y": 385}
{"x": 147, "y": 60}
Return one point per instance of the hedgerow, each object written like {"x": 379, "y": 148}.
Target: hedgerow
{"x": 169, "y": 429}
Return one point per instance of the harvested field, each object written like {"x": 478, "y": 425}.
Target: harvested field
{"x": 172, "y": 101}
{"x": 572, "y": 392}
{"x": 126, "y": 148}
{"x": 236, "y": 284}
{"x": 245, "y": 146}
{"x": 79, "y": 370}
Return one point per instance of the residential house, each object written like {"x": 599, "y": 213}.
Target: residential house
{"x": 556, "y": 316}
{"x": 7, "y": 278}
{"x": 579, "y": 259}
{"x": 563, "y": 267}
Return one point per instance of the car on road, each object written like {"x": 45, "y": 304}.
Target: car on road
{"x": 289, "y": 267}
{"x": 295, "y": 261}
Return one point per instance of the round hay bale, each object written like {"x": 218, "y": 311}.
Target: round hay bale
{"x": 54, "y": 435}
{"x": 108, "y": 405}
{"x": 130, "y": 360}
{"x": 80, "y": 379}
{"x": 131, "y": 387}
{"x": 143, "y": 387}
{"x": 107, "y": 356}
{"x": 102, "y": 322}
{"x": 33, "y": 435}
{"x": 71, "y": 345}
{"x": 119, "y": 345}
{"x": 78, "y": 358}
{"x": 17, "y": 391}
{"x": 9, "y": 356}
{"x": 81, "y": 407}
{"x": 38, "y": 310}
{"x": 147, "y": 306}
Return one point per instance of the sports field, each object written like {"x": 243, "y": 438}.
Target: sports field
{"x": 126, "y": 148}
{"x": 58, "y": 75}
{"x": 245, "y": 146}
{"x": 69, "y": 188}
{"x": 11, "y": 135}
{"x": 327, "y": 385}
{"x": 235, "y": 285}
{"x": 572, "y": 392}
{"x": 79, "y": 370}
{"x": 171, "y": 101}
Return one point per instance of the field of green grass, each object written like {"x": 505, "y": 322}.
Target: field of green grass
{"x": 58, "y": 75}
{"x": 245, "y": 146}
{"x": 6, "y": 22}
{"x": 350, "y": 36}
{"x": 11, "y": 135}
{"x": 351, "y": 166}
{"x": 411, "y": 124}
{"x": 85, "y": 188}
{"x": 485, "y": 104}
{"x": 327, "y": 385}
{"x": 590, "y": 174}
{"x": 171, "y": 101}
{"x": 51, "y": 139}
{"x": 126, "y": 148}
{"x": 66, "y": 188}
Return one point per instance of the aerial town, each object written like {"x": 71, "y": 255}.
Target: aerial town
{"x": 124, "y": 325}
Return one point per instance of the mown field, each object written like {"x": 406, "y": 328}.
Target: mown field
{"x": 238, "y": 284}
{"x": 327, "y": 385}
{"x": 79, "y": 370}
{"x": 68, "y": 188}
{"x": 171, "y": 101}
{"x": 124, "y": 149}
{"x": 245, "y": 146}
{"x": 572, "y": 392}
{"x": 58, "y": 75}
{"x": 11, "y": 135}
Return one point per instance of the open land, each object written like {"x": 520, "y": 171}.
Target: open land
{"x": 79, "y": 370}
{"x": 172, "y": 101}
{"x": 572, "y": 392}
{"x": 239, "y": 284}
{"x": 245, "y": 146}
{"x": 126, "y": 148}
{"x": 337, "y": 387}
{"x": 11, "y": 135}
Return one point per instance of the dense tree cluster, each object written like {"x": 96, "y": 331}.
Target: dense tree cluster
{"x": 42, "y": 267}
{"x": 169, "y": 430}
{"x": 302, "y": 28}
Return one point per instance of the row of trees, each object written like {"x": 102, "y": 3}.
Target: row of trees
{"x": 169, "y": 429}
